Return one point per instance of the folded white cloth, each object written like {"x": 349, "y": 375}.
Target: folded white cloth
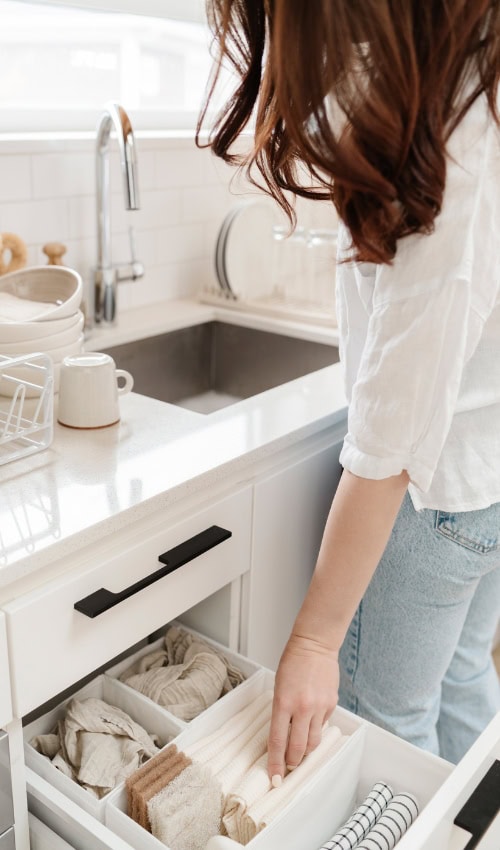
{"x": 97, "y": 745}
{"x": 392, "y": 824}
{"x": 187, "y": 812}
{"x": 243, "y": 819}
{"x": 251, "y": 788}
{"x": 225, "y": 741}
{"x": 362, "y": 820}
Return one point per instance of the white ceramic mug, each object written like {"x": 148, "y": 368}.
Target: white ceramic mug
{"x": 89, "y": 390}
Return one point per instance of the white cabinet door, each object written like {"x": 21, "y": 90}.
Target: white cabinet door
{"x": 61, "y": 632}
{"x": 5, "y": 700}
{"x": 290, "y": 511}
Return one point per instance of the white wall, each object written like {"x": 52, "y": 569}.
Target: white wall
{"x": 47, "y": 193}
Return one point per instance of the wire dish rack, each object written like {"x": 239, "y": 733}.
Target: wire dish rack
{"x": 26, "y": 405}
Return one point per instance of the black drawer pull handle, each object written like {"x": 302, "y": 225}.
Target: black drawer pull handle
{"x": 480, "y": 810}
{"x": 102, "y": 600}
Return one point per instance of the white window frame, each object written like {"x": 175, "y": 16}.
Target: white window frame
{"x": 25, "y": 121}
{"x": 180, "y": 10}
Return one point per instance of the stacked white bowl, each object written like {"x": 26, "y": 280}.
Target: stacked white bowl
{"x": 40, "y": 312}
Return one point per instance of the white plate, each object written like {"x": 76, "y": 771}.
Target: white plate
{"x": 40, "y": 293}
{"x": 244, "y": 253}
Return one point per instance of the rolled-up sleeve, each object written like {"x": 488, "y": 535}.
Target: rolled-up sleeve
{"x": 407, "y": 386}
{"x": 425, "y": 320}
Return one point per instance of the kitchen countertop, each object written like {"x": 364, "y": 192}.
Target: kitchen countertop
{"x": 88, "y": 484}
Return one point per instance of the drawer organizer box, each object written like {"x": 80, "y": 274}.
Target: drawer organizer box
{"x": 318, "y": 809}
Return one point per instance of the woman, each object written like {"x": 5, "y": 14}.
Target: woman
{"x": 392, "y": 107}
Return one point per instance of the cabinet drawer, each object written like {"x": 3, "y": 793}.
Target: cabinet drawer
{"x": 324, "y": 803}
{"x": 52, "y": 645}
{"x": 435, "y": 829}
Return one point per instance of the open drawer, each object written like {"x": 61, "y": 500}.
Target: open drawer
{"x": 327, "y": 798}
{"x": 436, "y": 830}
{"x": 311, "y": 817}
{"x": 58, "y": 634}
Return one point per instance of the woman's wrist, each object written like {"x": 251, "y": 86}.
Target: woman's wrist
{"x": 312, "y": 637}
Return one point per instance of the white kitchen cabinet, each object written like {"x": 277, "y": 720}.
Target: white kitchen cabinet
{"x": 53, "y": 645}
{"x": 290, "y": 510}
{"x": 369, "y": 754}
{"x": 5, "y": 698}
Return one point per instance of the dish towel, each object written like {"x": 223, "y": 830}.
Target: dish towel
{"x": 392, "y": 825}
{"x": 362, "y": 820}
{"x": 188, "y": 810}
{"x": 235, "y": 746}
{"x": 185, "y": 677}
{"x": 243, "y": 821}
{"x": 97, "y": 745}
{"x": 149, "y": 780}
{"x": 224, "y": 743}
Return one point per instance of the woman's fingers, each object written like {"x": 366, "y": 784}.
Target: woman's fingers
{"x": 290, "y": 740}
{"x": 277, "y": 742}
{"x": 315, "y": 732}
{"x": 297, "y": 740}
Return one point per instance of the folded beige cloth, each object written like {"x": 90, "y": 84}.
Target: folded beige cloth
{"x": 188, "y": 810}
{"x": 251, "y": 806}
{"x": 97, "y": 745}
{"x": 186, "y": 676}
{"x": 225, "y": 741}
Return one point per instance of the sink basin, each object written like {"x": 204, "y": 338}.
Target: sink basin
{"x": 208, "y": 366}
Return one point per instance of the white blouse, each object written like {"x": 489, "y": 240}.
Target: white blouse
{"x": 420, "y": 340}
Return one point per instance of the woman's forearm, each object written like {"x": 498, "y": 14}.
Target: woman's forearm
{"x": 360, "y": 522}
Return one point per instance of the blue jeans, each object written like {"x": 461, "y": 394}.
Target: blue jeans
{"x": 417, "y": 657}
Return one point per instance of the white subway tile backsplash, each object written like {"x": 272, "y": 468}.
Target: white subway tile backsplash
{"x": 15, "y": 178}
{"x": 183, "y": 242}
{"x": 63, "y": 175}
{"x": 205, "y": 202}
{"x": 159, "y": 210}
{"x": 47, "y": 193}
{"x": 82, "y": 217}
{"x": 36, "y": 221}
{"x": 183, "y": 167}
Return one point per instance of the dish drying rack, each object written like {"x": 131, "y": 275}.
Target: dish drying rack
{"x": 26, "y": 405}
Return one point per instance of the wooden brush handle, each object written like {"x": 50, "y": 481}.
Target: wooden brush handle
{"x": 55, "y": 252}
{"x": 18, "y": 254}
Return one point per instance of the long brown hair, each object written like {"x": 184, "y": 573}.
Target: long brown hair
{"x": 400, "y": 73}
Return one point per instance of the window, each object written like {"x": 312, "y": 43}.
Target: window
{"x": 59, "y": 64}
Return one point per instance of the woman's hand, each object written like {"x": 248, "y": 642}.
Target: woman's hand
{"x": 305, "y": 695}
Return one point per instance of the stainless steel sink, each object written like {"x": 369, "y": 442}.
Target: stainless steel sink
{"x": 208, "y": 366}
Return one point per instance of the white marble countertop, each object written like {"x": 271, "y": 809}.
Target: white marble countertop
{"x": 91, "y": 483}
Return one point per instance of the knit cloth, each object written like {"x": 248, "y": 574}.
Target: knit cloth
{"x": 392, "y": 825}
{"x": 362, "y": 820}
{"x": 97, "y": 745}
{"x": 150, "y": 780}
{"x": 186, "y": 676}
{"x": 188, "y": 810}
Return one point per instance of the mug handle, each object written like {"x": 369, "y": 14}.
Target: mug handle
{"x": 129, "y": 381}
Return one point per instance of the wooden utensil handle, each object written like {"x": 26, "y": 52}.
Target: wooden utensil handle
{"x": 17, "y": 249}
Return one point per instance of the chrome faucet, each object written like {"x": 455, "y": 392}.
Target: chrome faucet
{"x": 107, "y": 276}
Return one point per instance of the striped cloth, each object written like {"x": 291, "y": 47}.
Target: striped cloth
{"x": 362, "y": 820}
